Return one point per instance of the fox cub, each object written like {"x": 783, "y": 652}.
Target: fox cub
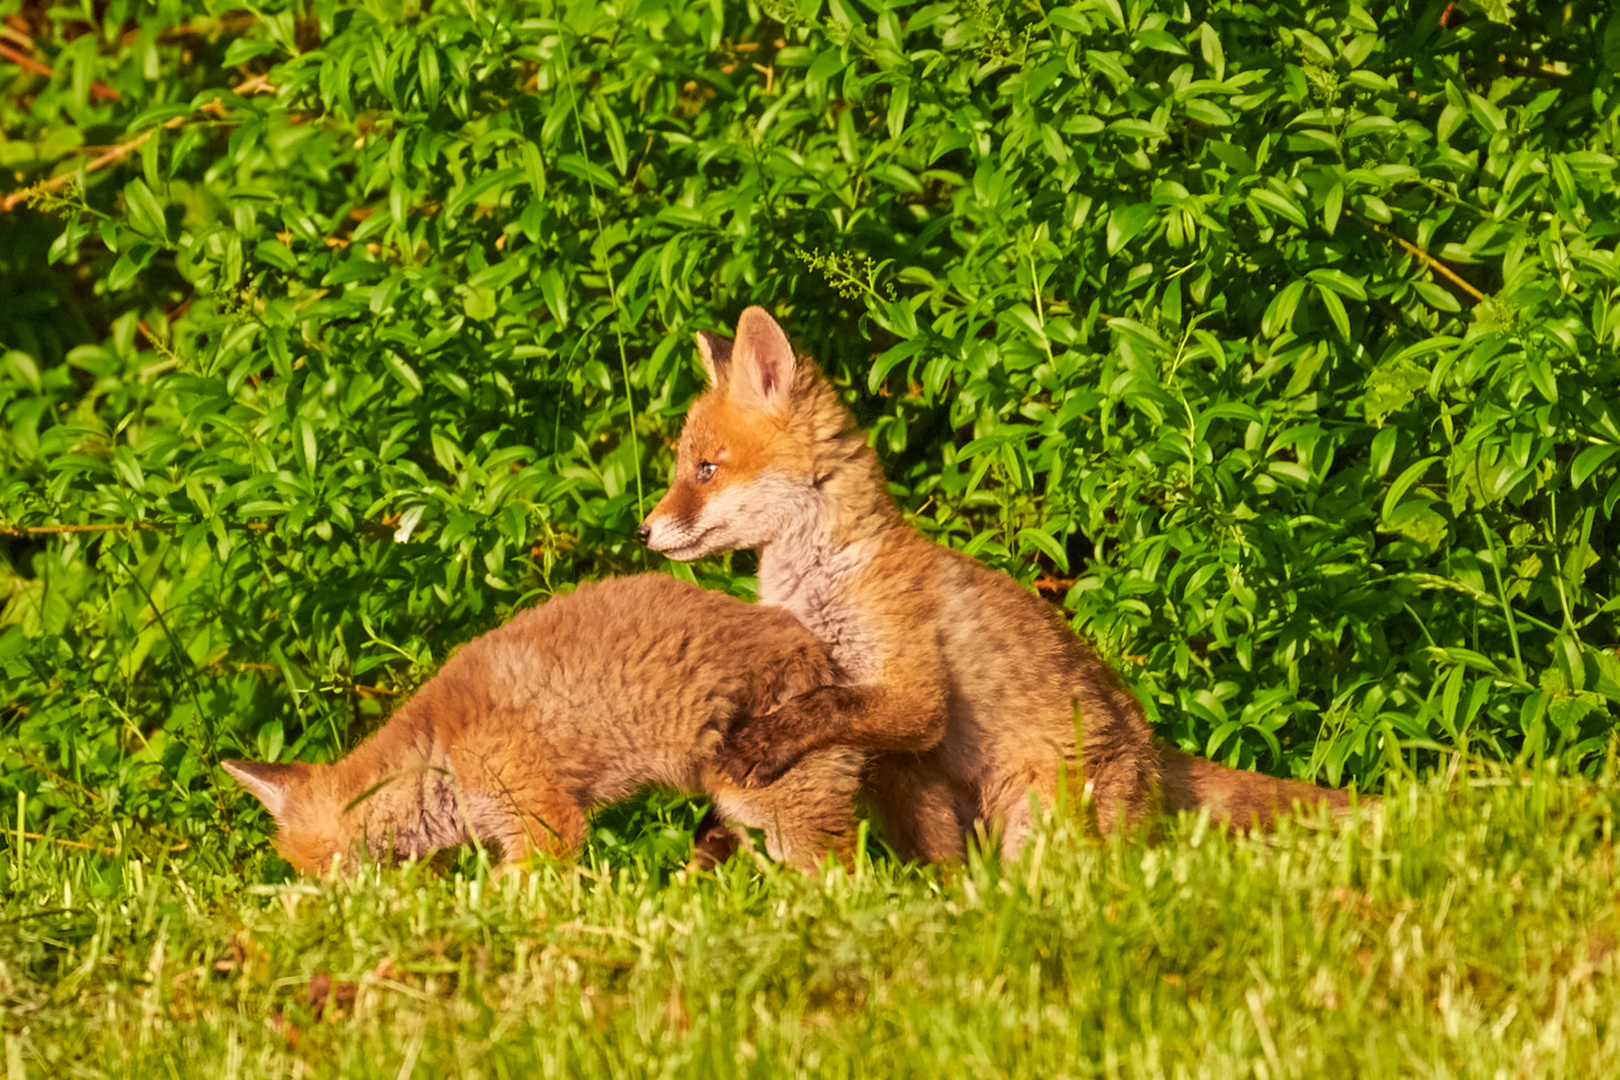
{"x": 571, "y": 705}
{"x": 969, "y": 688}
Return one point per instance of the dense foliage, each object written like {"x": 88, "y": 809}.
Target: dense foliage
{"x": 1278, "y": 337}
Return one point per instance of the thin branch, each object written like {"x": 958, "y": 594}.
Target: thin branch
{"x": 230, "y": 22}
{"x": 374, "y": 691}
{"x": 7, "y": 31}
{"x": 123, "y": 150}
{"x": 258, "y": 84}
{"x": 27, "y": 63}
{"x": 98, "y": 89}
{"x": 38, "y": 530}
{"x": 1433, "y": 263}
{"x": 111, "y": 526}
{"x": 117, "y": 153}
{"x": 1441, "y": 268}
{"x": 102, "y": 849}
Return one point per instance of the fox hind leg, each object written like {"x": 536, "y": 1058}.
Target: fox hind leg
{"x": 917, "y": 809}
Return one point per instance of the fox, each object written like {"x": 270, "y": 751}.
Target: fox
{"x": 968, "y": 692}
{"x": 571, "y": 705}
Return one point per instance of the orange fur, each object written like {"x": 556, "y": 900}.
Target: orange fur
{"x": 969, "y": 689}
{"x": 571, "y": 705}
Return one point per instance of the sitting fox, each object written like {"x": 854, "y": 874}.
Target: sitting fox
{"x": 571, "y": 705}
{"x": 968, "y": 687}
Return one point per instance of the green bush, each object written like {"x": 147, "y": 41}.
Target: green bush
{"x": 1277, "y": 337}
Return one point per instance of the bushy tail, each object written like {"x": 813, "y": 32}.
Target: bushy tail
{"x": 1244, "y": 799}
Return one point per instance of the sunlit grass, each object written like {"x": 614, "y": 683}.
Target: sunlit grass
{"x": 1461, "y": 932}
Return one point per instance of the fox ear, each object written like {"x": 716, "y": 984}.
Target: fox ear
{"x": 268, "y": 782}
{"x": 765, "y": 363}
{"x": 715, "y": 352}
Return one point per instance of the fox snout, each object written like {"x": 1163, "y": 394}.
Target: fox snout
{"x": 668, "y": 527}
{"x": 656, "y": 537}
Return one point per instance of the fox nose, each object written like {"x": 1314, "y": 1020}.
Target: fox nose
{"x": 645, "y": 530}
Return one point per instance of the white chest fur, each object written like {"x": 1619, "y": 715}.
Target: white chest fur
{"x": 814, "y": 581}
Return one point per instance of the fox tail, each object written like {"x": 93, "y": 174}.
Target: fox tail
{"x": 1241, "y": 798}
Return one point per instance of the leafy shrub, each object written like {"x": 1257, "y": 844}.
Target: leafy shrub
{"x": 1275, "y": 337}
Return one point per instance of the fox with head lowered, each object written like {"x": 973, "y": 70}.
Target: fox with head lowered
{"x": 569, "y": 706}
{"x": 969, "y": 690}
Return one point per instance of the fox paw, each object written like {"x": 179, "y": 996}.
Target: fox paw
{"x": 713, "y": 843}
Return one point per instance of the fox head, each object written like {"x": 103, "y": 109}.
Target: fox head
{"x": 314, "y": 825}
{"x": 758, "y": 449}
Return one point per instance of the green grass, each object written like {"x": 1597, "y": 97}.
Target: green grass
{"x": 1464, "y": 931}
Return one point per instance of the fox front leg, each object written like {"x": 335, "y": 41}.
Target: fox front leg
{"x": 758, "y": 749}
{"x": 518, "y": 805}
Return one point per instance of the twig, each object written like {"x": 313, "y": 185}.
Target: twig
{"x": 1433, "y": 263}
{"x": 375, "y": 691}
{"x": 228, "y": 23}
{"x": 1440, "y": 267}
{"x": 116, "y": 526}
{"x": 71, "y": 843}
{"x": 16, "y": 35}
{"x": 258, "y": 84}
{"x": 115, "y": 154}
{"x": 28, "y": 63}
{"x": 45, "y": 767}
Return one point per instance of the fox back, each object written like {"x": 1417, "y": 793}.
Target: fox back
{"x": 571, "y": 705}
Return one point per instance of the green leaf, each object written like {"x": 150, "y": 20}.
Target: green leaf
{"x": 1132, "y": 128}
{"x": 1046, "y": 544}
{"x": 890, "y": 359}
{"x": 1280, "y": 312}
{"x": 1589, "y": 461}
{"x": 427, "y": 62}
{"x": 1487, "y": 113}
{"x": 1335, "y": 310}
{"x": 1277, "y": 204}
{"x": 1209, "y": 43}
{"x": 276, "y": 254}
{"x": 145, "y": 212}
{"x": 1332, "y": 207}
{"x": 480, "y": 189}
{"x": 1397, "y": 491}
{"x": 1340, "y": 282}
{"x": 1126, "y": 223}
{"x": 899, "y": 99}
{"x": 1541, "y": 376}
{"x": 306, "y": 444}
{"x": 555, "y": 294}
{"x": 1207, "y": 112}
{"x": 1436, "y": 296}
{"x": 402, "y": 371}
{"x": 1160, "y": 40}
{"x": 1383, "y": 451}
{"x": 614, "y": 132}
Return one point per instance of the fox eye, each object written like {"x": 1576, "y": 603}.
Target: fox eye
{"x": 705, "y": 471}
